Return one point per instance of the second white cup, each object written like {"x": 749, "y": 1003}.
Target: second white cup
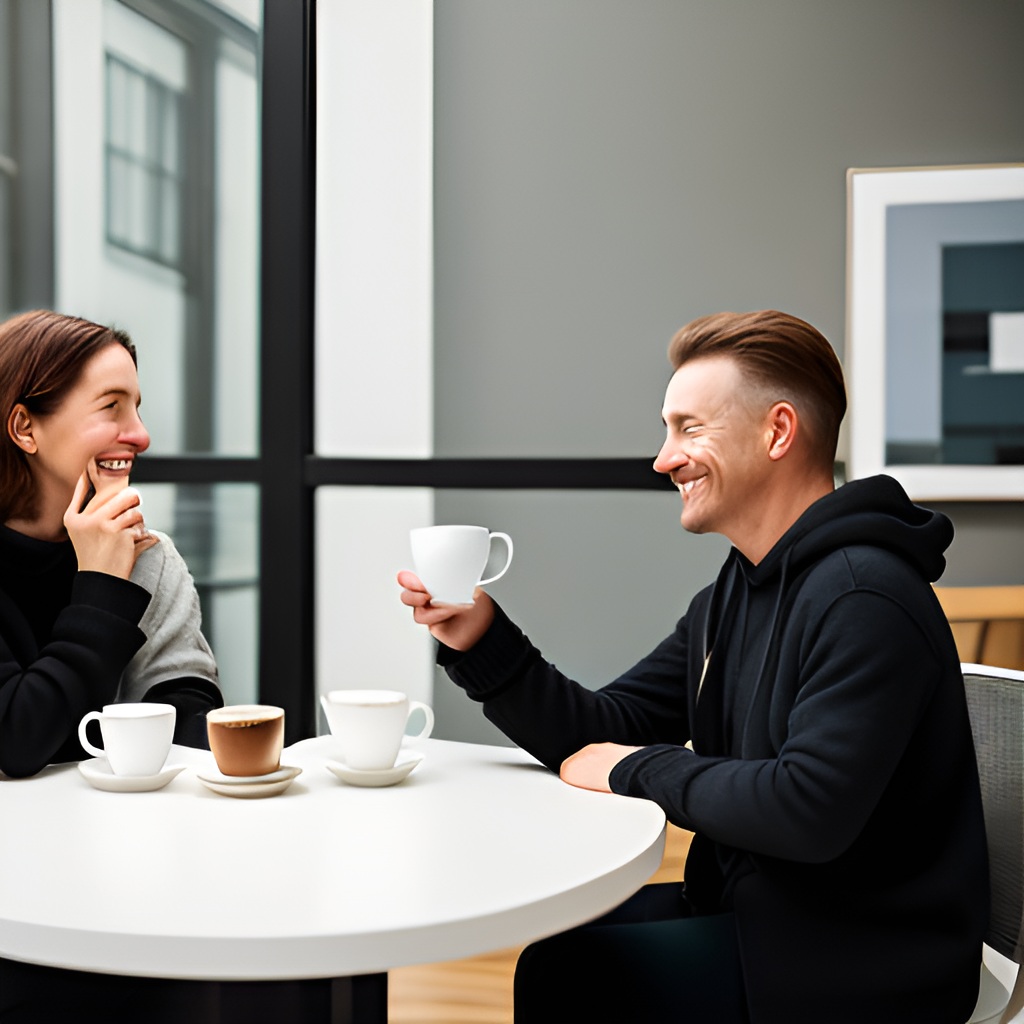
{"x": 136, "y": 737}
{"x": 450, "y": 560}
{"x": 370, "y": 725}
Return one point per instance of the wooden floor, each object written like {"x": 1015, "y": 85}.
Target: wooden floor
{"x": 479, "y": 990}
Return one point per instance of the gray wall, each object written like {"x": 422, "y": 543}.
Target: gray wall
{"x": 606, "y": 170}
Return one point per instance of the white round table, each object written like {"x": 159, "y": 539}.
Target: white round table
{"x": 480, "y": 848}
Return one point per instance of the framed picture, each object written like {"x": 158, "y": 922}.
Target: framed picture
{"x": 935, "y": 329}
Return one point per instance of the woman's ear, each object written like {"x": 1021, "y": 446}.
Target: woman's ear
{"x": 19, "y": 428}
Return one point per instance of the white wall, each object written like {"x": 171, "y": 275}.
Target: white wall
{"x": 374, "y": 348}
{"x": 374, "y": 228}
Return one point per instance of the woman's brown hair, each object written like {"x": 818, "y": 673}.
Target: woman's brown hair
{"x": 780, "y": 356}
{"x": 42, "y": 356}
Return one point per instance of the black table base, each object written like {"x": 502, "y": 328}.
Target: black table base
{"x": 362, "y": 999}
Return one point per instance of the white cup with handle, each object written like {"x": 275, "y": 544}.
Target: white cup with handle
{"x": 450, "y": 560}
{"x": 136, "y": 737}
{"x": 370, "y": 725}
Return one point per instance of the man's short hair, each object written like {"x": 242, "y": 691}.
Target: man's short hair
{"x": 784, "y": 358}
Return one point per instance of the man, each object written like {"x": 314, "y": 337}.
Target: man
{"x": 806, "y": 719}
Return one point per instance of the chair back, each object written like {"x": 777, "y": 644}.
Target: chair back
{"x": 987, "y": 623}
{"x": 995, "y": 699}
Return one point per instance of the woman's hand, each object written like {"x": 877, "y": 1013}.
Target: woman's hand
{"x": 109, "y": 532}
{"x": 457, "y": 626}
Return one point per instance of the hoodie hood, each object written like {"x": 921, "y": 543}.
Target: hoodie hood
{"x": 875, "y": 512}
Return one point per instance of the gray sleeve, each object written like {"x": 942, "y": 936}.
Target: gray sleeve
{"x": 175, "y": 646}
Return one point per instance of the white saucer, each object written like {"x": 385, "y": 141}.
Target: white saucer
{"x": 98, "y": 774}
{"x": 249, "y": 786}
{"x": 407, "y": 760}
{"x": 214, "y": 775}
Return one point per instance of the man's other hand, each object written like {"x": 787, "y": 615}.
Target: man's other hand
{"x": 590, "y": 767}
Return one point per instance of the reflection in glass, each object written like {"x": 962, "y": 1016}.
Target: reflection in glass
{"x": 156, "y": 146}
{"x": 144, "y": 179}
{"x": 146, "y": 114}
{"x": 597, "y": 580}
{"x": 215, "y": 527}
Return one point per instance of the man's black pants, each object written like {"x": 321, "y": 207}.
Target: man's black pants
{"x": 647, "y": 960}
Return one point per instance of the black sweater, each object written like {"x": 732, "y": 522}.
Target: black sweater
{"x": 65, "y": 638}
{"x": 831, "y": 782}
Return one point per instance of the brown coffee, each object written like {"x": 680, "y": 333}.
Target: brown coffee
{"x": 246, "y": 739}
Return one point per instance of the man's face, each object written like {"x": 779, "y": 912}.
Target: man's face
{"x": 715, "y": 448}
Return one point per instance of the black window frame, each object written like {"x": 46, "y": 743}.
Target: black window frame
{"x": 287, "y": 469}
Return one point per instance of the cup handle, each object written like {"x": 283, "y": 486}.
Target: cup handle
{"x": 83, "y": 739}
{"x": 508, "y": 561}
{"x": 428, "y": 713}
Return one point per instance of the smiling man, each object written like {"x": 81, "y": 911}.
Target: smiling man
{"x": 806, "y": 719}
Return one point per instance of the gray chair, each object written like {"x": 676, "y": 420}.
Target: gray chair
{"x": 995, "y": 699}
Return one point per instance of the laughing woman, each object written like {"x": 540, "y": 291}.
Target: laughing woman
{"x": 94, "y": 608}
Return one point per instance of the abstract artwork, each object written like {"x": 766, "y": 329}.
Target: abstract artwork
{"x": 935, "y": 329}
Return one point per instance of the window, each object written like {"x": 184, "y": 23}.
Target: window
{"x": 143, "y": 163}
{"x": 156, "y": 188}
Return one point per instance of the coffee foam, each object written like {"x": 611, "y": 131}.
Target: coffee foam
{"x": 241, "y": 716}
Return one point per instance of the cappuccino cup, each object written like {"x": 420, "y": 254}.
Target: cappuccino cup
{"x": 246, "y": 739}
{"x": 370, "y": 725}
{"x": 136, "y": 737}
{"x": 450, "y": 560}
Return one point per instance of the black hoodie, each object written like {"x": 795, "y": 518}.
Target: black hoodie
{"x": 807, "y": 720}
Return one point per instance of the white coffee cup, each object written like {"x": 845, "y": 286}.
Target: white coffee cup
{"x": 371, "y": 723}
{"x": 450, "y": 560}
{"x": 136, "y": 737}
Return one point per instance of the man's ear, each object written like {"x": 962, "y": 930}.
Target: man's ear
{"x": 19, "y": 429}
{"x": 782, "y": 428}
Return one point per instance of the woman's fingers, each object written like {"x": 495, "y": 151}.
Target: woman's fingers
{"x": 145, "y": 541}
{"x": 126, "y": 507}
{"x": 116, "y": 500}
{"x": 110, "y": 532}
{"x": 78, "y": 498}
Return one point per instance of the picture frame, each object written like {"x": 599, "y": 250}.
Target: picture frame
{"x": 935, "y": 329}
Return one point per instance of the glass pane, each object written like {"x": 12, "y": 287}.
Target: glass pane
{"x": 135, "y": 113}
{"x": 170, "y": 219}
{"x": 364, "y": 635}
{"x": 598, "y": 578}
{"x": 235, "y": 374}
{"x": 120, "y": 142}
{"x": 215, "y": 527}
{"x": 176, "y": 267}
{"x": 118, "y": 223}
{"x": 138, "y": 202}
{"x": 581, "y": 558}
{"x": 374, "y": 309}
{"x": 170, "y": 158}
{"x": 117, "y": 105}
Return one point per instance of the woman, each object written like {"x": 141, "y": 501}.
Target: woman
{"x": 94, "y": 608}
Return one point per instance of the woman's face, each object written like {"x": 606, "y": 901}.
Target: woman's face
{"x": 96, "y": 428}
